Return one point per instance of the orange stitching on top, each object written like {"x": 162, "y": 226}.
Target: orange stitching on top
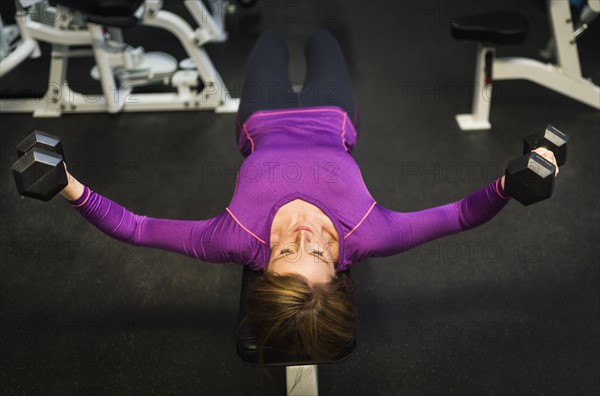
{"x": 361, "y": 221}
{"x": 248, "y": 136}
{"x": 244, "y": 228}
{"x": 344, "y": 131}
{"x": 89, "y": 192}
{"x": 498, "y": 190}
{"x": 293, "y": 111}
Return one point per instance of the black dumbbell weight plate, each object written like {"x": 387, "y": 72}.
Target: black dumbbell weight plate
{"x": 40, "y": 174}
{"x": 41, "y": 140}
{"x": 529, "y": 179}
{"x": 552, "y": 139}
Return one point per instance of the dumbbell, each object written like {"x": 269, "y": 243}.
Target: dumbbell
{"x": 530, "y": 178}
{"x": 40, "y": 172}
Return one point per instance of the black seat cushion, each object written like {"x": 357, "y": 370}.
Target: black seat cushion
{"x": 246, "y": 340}
{"x": 119, "y": 13}
{"x": 496, "y": 27}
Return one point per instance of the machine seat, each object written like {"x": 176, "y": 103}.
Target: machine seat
{"x": 496, "y": 27}
{"x": 118, "y": 13}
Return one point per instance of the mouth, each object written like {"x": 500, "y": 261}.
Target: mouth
{"x": 303, "y": 228}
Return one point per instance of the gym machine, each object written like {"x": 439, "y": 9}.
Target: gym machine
{"x": 502, "y": 27}
{"x": 119, "y": 68}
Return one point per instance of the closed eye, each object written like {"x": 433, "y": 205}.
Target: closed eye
{"x": 316, "y": 253}
{"x": 320, "y": 256}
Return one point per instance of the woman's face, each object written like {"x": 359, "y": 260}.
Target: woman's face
{"x": 304, "y": 244}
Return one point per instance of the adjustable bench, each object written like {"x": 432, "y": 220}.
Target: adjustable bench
{"x": 506, "y": 28}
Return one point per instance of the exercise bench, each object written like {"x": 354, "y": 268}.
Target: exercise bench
{"x": 301, "y": 373}
{"x": 506, "y": 28}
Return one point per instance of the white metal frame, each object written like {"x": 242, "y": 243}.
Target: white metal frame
{"x": 564, "y": 77}
{"x": 8, "y": 34}
{"x": 302, "y": 380}
{"x": 61, "y": 99}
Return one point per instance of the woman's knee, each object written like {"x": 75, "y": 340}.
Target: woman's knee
{"x": 322, "y": 35}
{"x": 271, "y": 37}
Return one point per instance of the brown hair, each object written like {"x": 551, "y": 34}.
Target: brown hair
{"x": 300, "y": 319}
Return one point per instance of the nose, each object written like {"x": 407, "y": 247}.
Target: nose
{"x": 303, "y": 239}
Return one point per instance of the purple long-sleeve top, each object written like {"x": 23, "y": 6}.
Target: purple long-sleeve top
{"x": 295, "y": 154}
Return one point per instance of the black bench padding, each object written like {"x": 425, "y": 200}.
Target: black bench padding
{"x": 246, "y": 340}
{"x": 119, "y": 13}
{"x": 496, "y": 27}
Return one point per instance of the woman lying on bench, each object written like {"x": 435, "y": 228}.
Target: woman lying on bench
{"x": 301, "y": 213}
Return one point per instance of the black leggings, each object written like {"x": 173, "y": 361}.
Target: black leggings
{"x": 267, "y": 85}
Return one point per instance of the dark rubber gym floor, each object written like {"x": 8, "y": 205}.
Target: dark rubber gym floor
{"x": 510, "y": 308}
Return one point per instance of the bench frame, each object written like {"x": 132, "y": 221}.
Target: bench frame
{"x": 68, "y": 30}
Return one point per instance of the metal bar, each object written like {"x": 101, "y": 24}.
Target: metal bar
{"x": 561, "y": 21}
{"x": 549, "y": 76}
{"x": 302, "y": 380}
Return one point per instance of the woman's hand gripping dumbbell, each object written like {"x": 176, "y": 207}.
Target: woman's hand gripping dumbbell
{"x": 41, "y": 172}
{"x": 530, "y": 178}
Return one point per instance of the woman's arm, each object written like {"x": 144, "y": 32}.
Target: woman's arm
{"x": 200, "y": 239}
{"x": 477, "y": 208}
{"x": 385, "y": 232}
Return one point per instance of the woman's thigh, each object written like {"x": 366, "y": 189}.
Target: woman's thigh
{"x": 267, "y": 85}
